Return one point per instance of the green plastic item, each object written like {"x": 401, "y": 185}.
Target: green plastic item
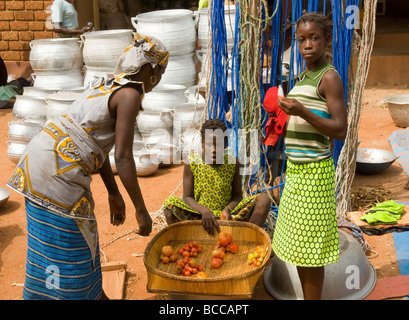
{"x": 388, "y": 212}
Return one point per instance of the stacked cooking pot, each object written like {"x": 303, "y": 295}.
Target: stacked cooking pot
{"x": 176, "y": 29}
{"x": 205, "y": 53}
{"x": 101, "y": 51}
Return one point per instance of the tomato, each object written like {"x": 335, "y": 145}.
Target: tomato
{"x": 199, "y": 248}
{"x": 186, "y": 273}
{"x": 165, "y": 259}
{"x": 199, "y": 267}
{"x": 167, "y": 251}
{"x": 179, "y": 269}
{"x": 218, "y": 254}
{"x": 173, "y": 257}
{"x": 192, "y": 263}
{"x": 216, "y": 263}
{"x": 201, "y": 275}
{"x": 186, "y": 254}
{"x": 194, "y": 249}
{"x": 233, "y": 247}
{"x": 224, "y": 239}
{"x": 194, "y": 270}
{"x": 180, "y": 251}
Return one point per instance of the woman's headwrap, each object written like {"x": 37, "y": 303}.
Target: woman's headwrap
{"x": 143, "y": 50}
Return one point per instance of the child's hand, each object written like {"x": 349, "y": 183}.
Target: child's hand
{"x": 225, "y": 214}
{"x": 209, "y": 222}
{"x": 290, "y": 106}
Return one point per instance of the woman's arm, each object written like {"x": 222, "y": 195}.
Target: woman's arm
{"x": 125, "y": 105}
{"x": 332, "y": 89}
{"x": 74, "y": 32}
{"x": 116, "y": 203}
{"x": 208, "y": 218}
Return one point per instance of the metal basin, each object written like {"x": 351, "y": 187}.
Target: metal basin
{"x": 4, "y": 196}
{"x": 351, "y": 278}
{"x": 373, "y": 161}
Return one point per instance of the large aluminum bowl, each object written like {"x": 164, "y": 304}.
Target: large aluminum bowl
{"x": 4, "y": 196}
{"x": 351, "y": 278}
{"x": 373, "y": 161}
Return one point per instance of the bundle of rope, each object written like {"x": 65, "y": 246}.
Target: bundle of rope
{"x": 345, "y": 170}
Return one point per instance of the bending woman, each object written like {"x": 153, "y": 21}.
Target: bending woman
{"x": 54, "y": 175}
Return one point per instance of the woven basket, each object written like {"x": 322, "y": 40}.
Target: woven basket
{"x": 234, "y": 278}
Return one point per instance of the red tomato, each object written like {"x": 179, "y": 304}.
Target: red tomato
{"x": 167, "y": 251}
{"x": 224, "y": 239}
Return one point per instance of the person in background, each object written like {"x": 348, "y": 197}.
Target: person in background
{"x": 55, "y": 171}
{"x": 64, "y": 17}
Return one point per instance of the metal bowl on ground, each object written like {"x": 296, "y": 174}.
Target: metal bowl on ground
{"x": 4, "y": 196}
{"x": 373, "y": 161}
{"x": 351, "y": 278}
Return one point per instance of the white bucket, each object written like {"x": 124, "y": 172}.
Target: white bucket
{"x": 59, "y": 54}
{"x": 103, "y": 48}
{"x": 175, "y": 28}
{"x": 15, "y": 150}
{"x": 203, "y": 26}
{"x": 187, "y": 116}
{"x": 149, "y": 121}
{"x": 181, "y": 70}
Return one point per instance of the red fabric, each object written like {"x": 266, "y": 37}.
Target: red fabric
{"x": 275, "y": 126}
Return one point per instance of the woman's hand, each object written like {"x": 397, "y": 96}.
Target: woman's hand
{"x": 209, "y": 222}
{"x": 144, "y": 222}
{"x": 117, "y": 209}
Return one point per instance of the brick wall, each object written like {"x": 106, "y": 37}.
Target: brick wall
{"x": 20, "y": 22}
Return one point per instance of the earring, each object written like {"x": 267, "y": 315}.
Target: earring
{"x": 153, "y": 79}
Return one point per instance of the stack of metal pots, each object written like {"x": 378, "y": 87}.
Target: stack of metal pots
{"x": 176, "y": 29}
{"x": 101, "y": 51}
{"x": 204, "y": 54}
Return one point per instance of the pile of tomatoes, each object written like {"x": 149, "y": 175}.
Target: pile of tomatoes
{"x": 224, "y": 244}
{"x": 187, "y": 265}
{"x": 256, "y": 258}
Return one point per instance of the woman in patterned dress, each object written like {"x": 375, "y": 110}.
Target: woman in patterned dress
{"x": 54, "y": 176}
{"x": 306, "y": 233}
{"x": 212, "y": 186}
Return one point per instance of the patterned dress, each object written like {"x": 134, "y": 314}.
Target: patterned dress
{"x": 306, "y": 232}
{"x": 212, "y": 189}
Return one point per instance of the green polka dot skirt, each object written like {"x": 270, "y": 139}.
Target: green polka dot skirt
{"x": 306, "y": 231}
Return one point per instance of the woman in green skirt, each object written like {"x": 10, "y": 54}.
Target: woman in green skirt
{"x": 306, "y": 233}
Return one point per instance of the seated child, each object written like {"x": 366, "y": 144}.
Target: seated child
{"x": 212, "y": 186}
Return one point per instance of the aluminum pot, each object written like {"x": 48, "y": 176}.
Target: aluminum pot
{"x": 58, "y": 54}
{"x": 189, "y": 142}
{"x": 158, "y": 135}
{"x": 187, "y": 115}
{"x": 175, "y": 28}
{"x": 91, "y": 73}
{"x": 26, "y": 107}
{"x": 166, "y": 152}
{"x": 193, "y": 94}
{"x": 149, "y": 121}
{"x": 58, "y": 80}
{"x": 103, "y": 48}
{"x": 37, "y": 92}
{"x": 398, "y": 106}
{"x": 59, "y": 103}
{"x": 164, "y": 96}
{"x": 4, "y": 196}
{"x": 351, "y": 278}
{"x": 203, "y": 25}
{"x": 146, "y": 162}
{"x": 373, "y": 161}
{"x": 23, "y": 130}
{"x": 181, "y": 70}
{"x": 15, "y": 150}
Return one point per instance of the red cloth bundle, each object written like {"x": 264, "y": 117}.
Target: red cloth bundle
{"x": 275, "y": 126}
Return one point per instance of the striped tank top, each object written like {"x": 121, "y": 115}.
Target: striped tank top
{"x": 304, "y": 143}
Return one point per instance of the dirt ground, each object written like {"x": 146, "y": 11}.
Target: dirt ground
{"x": 375, "y": 128}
